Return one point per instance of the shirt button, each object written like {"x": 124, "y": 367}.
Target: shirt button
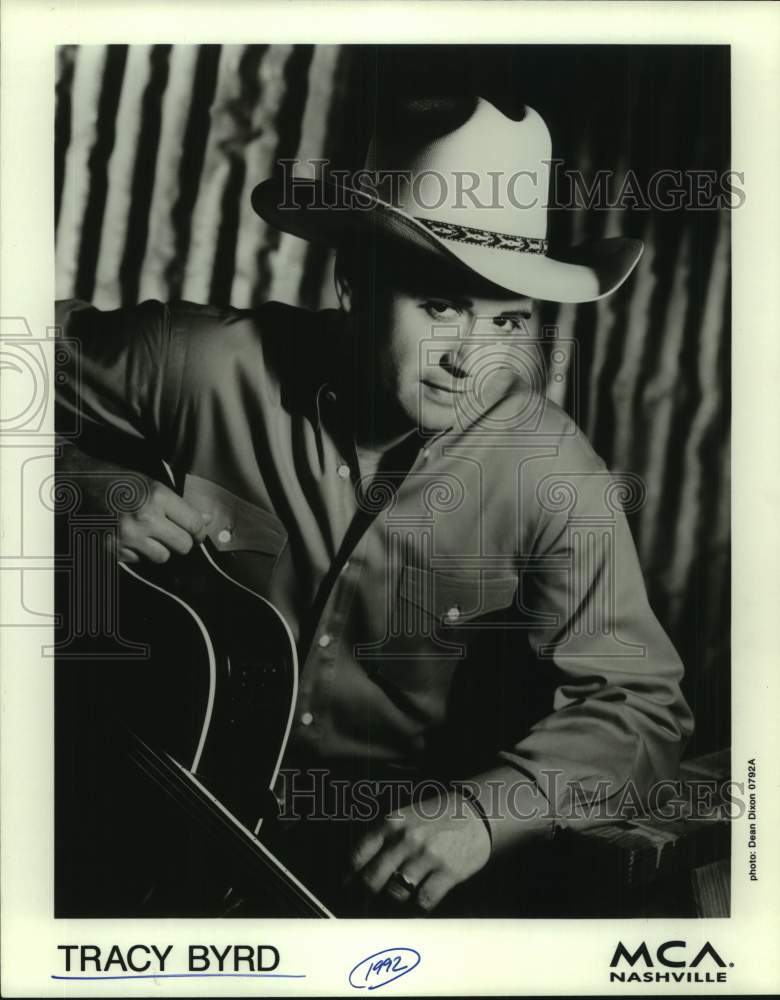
{"x": 324, "y": 641}
{"x": 343, "y": 471}
{"x": 225, "y": 535}
{"x": 306, "y": 719}
{"x": 330, "y": 396}
{"x": 453, "y": 613}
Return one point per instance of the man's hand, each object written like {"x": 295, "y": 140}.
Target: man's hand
{"x": 432, "y": 854}
{"x": 162, "y": 525}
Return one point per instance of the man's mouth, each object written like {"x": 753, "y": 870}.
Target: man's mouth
{"x": 438, "y": 387}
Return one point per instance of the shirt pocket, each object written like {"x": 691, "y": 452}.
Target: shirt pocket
{"x": 249, "y": 539}
{"x": 446, "y": 600}
{"x": 437, "y": 614}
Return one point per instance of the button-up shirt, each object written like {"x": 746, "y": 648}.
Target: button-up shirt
{"x": 472, "y": 607}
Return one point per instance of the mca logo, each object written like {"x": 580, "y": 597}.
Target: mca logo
{"x": 673, "y": 955}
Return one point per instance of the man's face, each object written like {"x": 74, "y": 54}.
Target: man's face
{"x": 445, "y": 348}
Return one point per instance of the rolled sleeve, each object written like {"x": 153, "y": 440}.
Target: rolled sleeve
{"x": 619, "y": 717}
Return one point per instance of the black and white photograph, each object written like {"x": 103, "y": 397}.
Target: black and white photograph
{"x": 418, "y": 362}
{"x": 382, "y": 496}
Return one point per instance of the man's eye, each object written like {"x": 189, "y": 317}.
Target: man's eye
{"x": 441, "y": 310}
{"x": 507, "y": 323}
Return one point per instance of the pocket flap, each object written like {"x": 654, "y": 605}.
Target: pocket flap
{"x": 236, "y": 523}
{"x": 455, "y": 598}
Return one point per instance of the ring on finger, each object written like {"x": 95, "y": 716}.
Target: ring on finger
{"x": 404, "y": 882}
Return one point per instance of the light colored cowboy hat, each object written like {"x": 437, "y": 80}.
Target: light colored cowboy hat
{"x": 476, "y": 195}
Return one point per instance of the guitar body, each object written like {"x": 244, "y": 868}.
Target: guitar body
{"x": 167, "y": 749}
{"x": 224, "y": 671}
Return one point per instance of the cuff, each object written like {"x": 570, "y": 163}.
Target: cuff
{"x": 513, "y": 806}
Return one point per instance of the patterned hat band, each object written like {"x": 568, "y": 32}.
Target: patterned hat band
{"x": 484, "y": 237}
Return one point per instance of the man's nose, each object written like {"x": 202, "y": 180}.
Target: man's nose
{"x": 458, "y": 359}
{"x": 454, "y": 363}
{"x": 460, "y": 354}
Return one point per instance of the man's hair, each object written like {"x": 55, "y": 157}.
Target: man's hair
{"x": 365, "y": 261}
{"x": 368, "y": 261}
{"x": 350, "y": 265}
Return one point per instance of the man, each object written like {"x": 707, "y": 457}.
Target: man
{"x": 447, "y": 549}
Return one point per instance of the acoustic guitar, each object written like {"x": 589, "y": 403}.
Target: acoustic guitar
{"x": 167, "y": 751}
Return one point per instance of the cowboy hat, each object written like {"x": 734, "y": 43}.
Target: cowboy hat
{"x": 476, "y": 196}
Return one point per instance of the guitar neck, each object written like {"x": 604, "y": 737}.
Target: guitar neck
{"x": 196, "y": 800}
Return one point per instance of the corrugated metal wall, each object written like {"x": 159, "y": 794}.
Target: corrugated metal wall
{"x": 157, "y": 149}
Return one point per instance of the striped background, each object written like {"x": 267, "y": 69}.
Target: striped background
{"x": 157, "y": 149}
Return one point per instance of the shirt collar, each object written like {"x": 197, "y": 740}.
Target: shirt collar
{"x": 329, "y": 399}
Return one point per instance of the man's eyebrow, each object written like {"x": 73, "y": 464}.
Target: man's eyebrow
{"x": 464, "y": 302}
{"x": 453, "y": 297}
{"x": 525, "y": 311}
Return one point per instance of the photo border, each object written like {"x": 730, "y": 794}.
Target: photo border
{"x": 521, "y": 957}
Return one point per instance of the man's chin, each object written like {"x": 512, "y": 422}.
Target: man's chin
{"x": 436, "y": 413}
{"x": 457, "y": 410}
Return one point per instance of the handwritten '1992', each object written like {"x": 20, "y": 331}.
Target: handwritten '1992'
{"x": 383, "y": 967}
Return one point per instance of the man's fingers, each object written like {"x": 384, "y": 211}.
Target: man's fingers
{"x": 163, "y": 526}
{"x": 370, "y": 844}
{"x": 182, "y": 514}
{"x": 171, "y": 536}
{"x": 152, "y": 550}
{"x": 122, "y": 549}
{"x": 380, "y": 869}
{"x": 433, "y": 890}
{"x": 414, "y": 870}
{"x": 204, "y": 519}
{"x": 153, "y": 526}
